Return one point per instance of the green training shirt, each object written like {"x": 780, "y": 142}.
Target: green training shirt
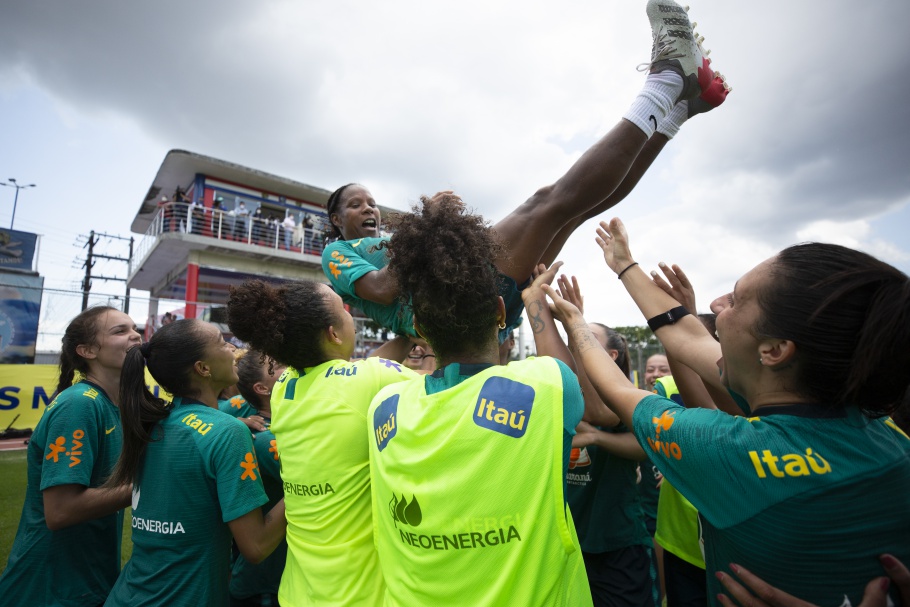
{"x": 678, "y": 530}
{"x": 77, "y": 441}
{"x": 603, "y": 496}
{"x": 804, "y": 496}
{"x": 344, "y": 262}
{"x": 198, "y": 474}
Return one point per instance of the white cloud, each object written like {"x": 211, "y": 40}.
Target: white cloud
{"x": 490, "y": 99}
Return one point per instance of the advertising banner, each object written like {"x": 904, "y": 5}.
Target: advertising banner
{"x": 17, "y": 250}
{"x": 26, "y": 390}
{"x": 20, "y": 308}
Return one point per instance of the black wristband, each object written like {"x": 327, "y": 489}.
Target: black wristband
{"x": 634, "y": 263}
{"x": 667, "y": 318}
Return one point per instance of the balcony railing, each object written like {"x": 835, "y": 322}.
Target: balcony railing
{"x": 226, "y": 226}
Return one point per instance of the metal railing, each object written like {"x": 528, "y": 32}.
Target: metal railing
{"x": 227, "y": 226}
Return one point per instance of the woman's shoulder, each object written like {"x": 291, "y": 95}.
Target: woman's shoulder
{"x": 80, "y": 394}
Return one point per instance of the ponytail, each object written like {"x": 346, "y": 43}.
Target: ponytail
{"x": 140, "y": 411}
{"x": 849, "y": 315}
{"x": 170, "y": 355}
{"x": 878, "y": 377}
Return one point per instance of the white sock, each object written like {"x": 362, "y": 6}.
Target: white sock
{"x": 654, "y": 102}
{"x": 669, "y": 126}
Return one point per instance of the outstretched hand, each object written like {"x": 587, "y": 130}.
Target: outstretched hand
{"x": 541, "y": 275}
{"x": 571, "y": 292}
{"x": 676, "y": 285}
{"x": 614, "y": 241}
{"x": 585, "y": 435}
{"x": 563, "y": 310}
{"x": 447, "y": 196}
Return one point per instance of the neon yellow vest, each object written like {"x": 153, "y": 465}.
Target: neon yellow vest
{"x": 678, "y": 528}
{"x": 468, "y": 505}
{"x": 319, "y": 421}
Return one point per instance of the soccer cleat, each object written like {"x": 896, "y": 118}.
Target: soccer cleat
{"x": 713, "y": 95}
{"x": 677, "y": 48}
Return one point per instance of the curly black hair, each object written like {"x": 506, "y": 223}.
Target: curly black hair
{"x": 442, "y": 259}
{"x": 284, "y": 321}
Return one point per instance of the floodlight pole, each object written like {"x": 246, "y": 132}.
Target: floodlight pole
{"x": 12, "y": 183}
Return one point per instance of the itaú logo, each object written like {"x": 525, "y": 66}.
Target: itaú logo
{"x": 404, "y": 512}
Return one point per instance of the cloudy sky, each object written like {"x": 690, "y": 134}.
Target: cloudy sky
{"x": 491, "y": 99}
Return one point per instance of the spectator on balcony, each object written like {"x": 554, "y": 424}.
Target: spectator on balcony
{"x": 197, "y": 216}
{"x": 288, "y": 226}
{"x": 259, "y": 225}
{"x": 222, "y": 222}
{"x": 180, "y": 207}
{"x": 241, "y": 221}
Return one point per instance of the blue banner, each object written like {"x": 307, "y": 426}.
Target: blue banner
{"x": 20, "y": 307}
{"x": 17, "y": 250}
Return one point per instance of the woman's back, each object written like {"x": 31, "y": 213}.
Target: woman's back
{"x": 468, "y": 479}
{"x": 320, "y": 427}
{"x": 200, "y": 474}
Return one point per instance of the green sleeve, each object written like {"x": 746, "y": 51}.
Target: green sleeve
{"x": 232, "y": 460}
{"x": 701, "y": 452}
{"x": 573, "y": 403}
{"x": 344, "y": 266}
{"x": 72, "y": 443}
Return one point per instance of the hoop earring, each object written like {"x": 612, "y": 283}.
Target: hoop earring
{"x": 502, "y": 325}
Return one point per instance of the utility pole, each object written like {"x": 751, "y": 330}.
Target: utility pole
{"x": 90, "y": 262}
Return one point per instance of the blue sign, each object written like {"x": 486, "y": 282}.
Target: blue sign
{"x": 17, "y": 250}
{"x": 20, "y": 307}
{"x": 504, "y": 406}
{"x": 385, "y": 426}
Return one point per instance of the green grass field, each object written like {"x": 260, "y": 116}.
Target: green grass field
{"x": 12, "y": 495}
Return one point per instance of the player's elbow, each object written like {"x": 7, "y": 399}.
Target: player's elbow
{"x": 56, "y": 521}
{"x": 254, "y": 554}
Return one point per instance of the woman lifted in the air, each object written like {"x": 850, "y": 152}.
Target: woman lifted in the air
{"x": 679, "y": 85}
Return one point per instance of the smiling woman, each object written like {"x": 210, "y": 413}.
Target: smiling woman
{"x": 70, "y": 524}
{"x": 810, "y": 489}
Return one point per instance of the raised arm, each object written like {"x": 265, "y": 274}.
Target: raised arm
{"x": 686, "y": 339}
{"x": 694, "y": 391}
{"x": 608, "y": 380}
{"x": 546, "y": 337}
{"x": 596, "y": 412}
{"x": 395, "y": 349}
